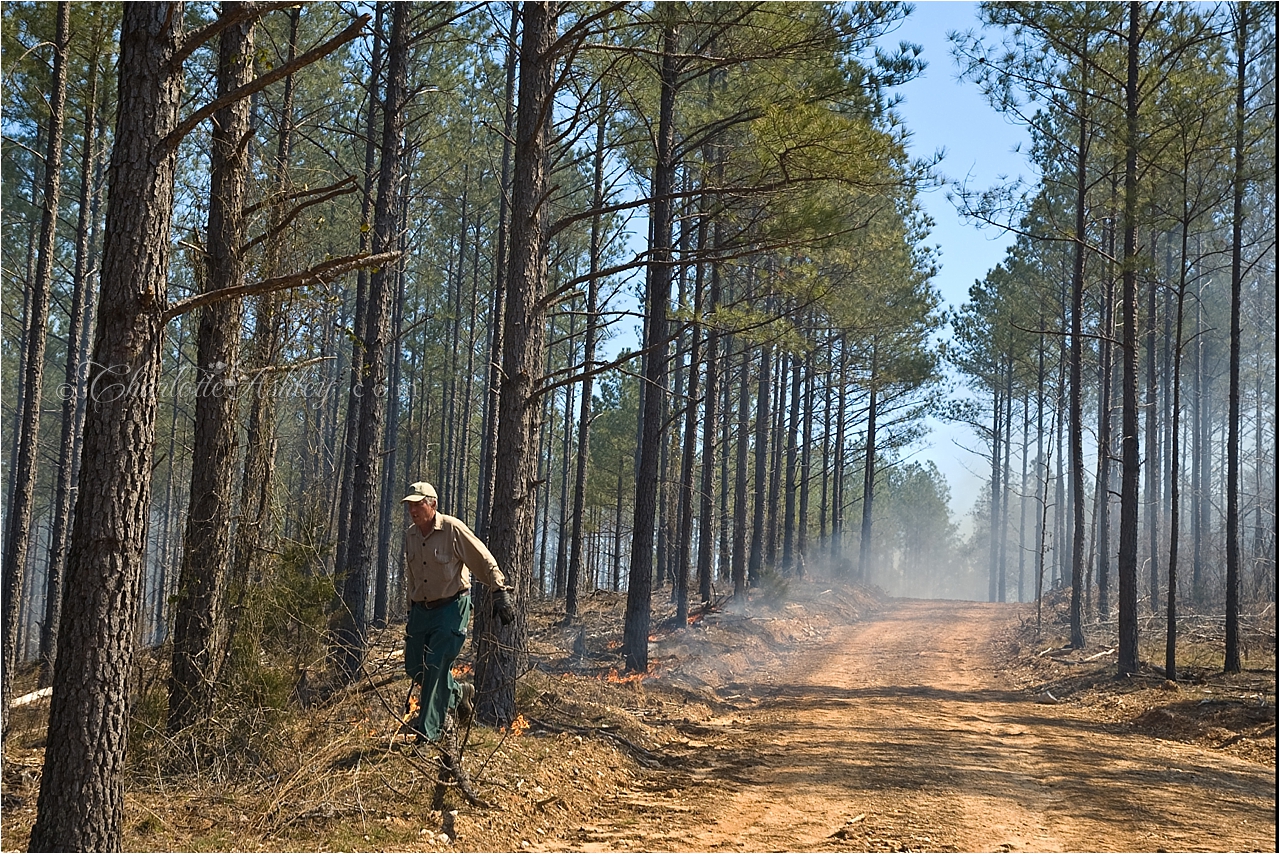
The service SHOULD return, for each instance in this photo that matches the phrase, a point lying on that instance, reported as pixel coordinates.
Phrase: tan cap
(419, 491)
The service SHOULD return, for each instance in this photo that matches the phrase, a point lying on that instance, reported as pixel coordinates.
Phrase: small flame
(518, 726)
(628, 679)
(414, 707)
(462, 670)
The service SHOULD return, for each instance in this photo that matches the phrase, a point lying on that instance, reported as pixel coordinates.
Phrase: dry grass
(337, 774)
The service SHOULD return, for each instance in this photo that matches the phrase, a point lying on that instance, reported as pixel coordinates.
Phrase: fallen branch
(27, 699)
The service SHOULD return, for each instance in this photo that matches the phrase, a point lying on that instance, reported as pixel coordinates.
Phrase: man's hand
(502, 606)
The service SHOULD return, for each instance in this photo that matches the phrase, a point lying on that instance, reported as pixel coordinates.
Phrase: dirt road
(899, 733)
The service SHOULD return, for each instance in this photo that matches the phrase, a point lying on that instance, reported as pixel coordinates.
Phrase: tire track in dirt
(899, 733)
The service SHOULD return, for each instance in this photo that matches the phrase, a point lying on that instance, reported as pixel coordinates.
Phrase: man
(440, 553)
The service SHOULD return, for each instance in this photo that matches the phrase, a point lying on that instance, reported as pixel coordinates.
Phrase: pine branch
(257, 84)
(319, 274)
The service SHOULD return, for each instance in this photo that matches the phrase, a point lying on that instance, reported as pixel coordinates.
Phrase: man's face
(422, 513)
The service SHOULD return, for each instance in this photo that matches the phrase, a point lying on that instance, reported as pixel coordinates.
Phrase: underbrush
(1235, 713)
(291, 761)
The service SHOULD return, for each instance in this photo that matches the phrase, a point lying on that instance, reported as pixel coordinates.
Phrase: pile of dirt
(1234, 713)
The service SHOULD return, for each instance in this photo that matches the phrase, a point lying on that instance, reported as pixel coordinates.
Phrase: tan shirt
(436, 565)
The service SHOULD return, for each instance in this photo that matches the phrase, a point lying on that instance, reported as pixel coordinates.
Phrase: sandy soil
(903, 733)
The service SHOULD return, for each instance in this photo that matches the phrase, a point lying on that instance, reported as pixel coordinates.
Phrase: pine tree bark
(497, 308)
(81, 802)
(200, 631)
(838, 466)
(1002, 585)
(265, 348)
(351, 636)
(1075, 414)
(711, 422)
(360, 347)
(1232, 653)
(500, 649)
(79, 329)
(635, 644)
(1175, 460)
(389, 555)
(18, 528)
(1127, 568)
(806, 460)
(755, 565)
(993, 546)
(1151, 437)
(588, 365)
(1105, 453)
(793, 430)
(739, 563)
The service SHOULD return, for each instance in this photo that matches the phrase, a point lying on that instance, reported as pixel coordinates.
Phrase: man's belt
(440, 603)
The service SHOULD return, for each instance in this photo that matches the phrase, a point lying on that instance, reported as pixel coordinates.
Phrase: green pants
(433, 639)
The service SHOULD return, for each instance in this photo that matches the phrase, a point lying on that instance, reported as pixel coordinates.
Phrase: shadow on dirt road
(901, 733)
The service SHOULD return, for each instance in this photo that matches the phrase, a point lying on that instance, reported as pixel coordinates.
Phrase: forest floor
(824, 718)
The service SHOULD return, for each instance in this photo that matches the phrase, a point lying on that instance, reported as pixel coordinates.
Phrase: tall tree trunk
(500, 649)
(688, 453)
(1042, 472)
(588, 365)
(497, 308)
(28, 289)
(17, 536)
(690, 445)
(353, 577)
(1075, 415)
(1151, 482)
(1105, 453)
(793, 429)
(1022, 494)
(1127, 570)
(869, 472)
(635, 644)
(738, 565)
(200, 630)
(561, 574)
(1232, 655)
(824, 499)
(1007, 431)
(1171, 606)
(257, 482)
(806, 459)
(755, 566)
(993, 546)
(711, 422)
(81, 803)
(389, 545)
(359, 346)
(79, 322)
(776, 452)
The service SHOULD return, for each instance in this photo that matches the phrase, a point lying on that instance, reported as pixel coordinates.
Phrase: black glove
(502, 606)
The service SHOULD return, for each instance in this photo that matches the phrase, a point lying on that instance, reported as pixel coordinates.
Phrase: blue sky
(946, 114)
